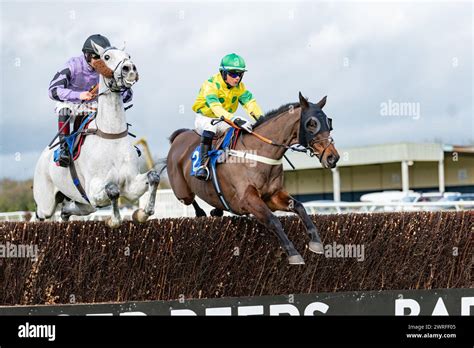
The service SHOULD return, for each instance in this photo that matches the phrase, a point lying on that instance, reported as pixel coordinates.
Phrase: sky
(393, 72)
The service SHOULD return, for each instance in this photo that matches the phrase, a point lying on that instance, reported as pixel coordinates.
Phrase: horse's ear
(322, 102)
(123, 47)
(97, 48)
(303, 101)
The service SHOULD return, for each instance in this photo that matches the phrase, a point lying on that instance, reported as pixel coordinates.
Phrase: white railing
(100, 215)
(15, 216)
(364, 207)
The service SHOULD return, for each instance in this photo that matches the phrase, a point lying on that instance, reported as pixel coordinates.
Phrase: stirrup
(64, 159)
(64, 162)
(207, 173)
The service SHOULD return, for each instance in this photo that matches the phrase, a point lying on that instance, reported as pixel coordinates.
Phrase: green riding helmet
(232, 62)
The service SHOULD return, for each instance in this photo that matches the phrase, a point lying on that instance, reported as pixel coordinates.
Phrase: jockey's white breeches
(203, 123)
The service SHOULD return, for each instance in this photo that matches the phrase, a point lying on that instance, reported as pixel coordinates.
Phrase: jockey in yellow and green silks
(220, 96)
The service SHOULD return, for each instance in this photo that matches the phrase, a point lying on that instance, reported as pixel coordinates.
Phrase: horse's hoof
(295, 260)
(112, 223)
(139, 216)
(217, 212)
(153, 178)
(200, 213)
(316, 247)
(65, 217)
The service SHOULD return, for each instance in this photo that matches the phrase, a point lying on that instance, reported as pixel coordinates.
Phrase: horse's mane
(273, 113)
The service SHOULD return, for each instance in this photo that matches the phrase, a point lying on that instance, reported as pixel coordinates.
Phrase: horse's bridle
(110, 88)
(321, 155)
(292, 148)
(121, 78)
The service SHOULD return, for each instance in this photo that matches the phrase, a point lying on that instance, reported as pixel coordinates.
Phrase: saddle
(220, 144)
(76, 138)
(81, 130)
(227, 140)
(225, 146)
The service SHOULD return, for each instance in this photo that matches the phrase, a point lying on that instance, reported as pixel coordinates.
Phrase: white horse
(108, 165)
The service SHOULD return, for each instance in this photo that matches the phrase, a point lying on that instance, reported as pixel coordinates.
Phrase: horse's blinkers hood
(312, 122)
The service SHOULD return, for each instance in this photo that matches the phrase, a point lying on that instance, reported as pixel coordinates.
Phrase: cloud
(360, 54)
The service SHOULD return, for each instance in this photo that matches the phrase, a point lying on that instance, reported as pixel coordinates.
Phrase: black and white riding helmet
(100, 40)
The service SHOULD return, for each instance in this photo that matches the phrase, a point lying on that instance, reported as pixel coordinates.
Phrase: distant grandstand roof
(458, 148)
(376, 154)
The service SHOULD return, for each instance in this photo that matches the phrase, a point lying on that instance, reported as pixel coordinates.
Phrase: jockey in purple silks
(71, 88)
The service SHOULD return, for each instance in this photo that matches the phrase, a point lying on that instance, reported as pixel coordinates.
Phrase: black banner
(419, 317)
(391, 303)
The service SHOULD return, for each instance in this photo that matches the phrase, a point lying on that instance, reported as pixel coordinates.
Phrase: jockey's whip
(94, 89)
(261, 137)
(59, 131)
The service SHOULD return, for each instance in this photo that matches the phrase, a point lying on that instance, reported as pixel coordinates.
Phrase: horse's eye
(107, 57)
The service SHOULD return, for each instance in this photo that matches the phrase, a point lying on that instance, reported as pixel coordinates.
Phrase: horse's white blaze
(102, 161)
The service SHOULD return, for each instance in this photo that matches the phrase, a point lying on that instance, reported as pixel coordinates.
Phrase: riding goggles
(235, 73)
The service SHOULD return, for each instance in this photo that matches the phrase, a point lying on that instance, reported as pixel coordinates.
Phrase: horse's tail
(176, 133)
(161, 165)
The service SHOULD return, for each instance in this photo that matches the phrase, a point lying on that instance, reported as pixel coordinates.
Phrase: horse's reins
(121, 89)
(271, 142)
(110, 88)
(94, 90)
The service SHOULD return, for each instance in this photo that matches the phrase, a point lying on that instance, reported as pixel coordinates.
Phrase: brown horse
(257, 188)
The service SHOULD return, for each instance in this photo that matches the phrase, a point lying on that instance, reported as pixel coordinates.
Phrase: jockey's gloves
(242, 123)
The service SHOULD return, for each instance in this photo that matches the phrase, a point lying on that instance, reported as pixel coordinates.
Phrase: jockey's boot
(64, 158)
(202, 173)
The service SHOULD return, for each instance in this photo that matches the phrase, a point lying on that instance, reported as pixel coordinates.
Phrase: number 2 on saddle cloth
(229, 142)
